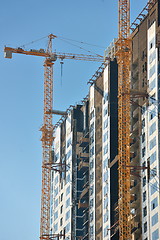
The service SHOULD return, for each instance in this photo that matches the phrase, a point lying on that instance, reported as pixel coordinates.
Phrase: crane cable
(67, 41)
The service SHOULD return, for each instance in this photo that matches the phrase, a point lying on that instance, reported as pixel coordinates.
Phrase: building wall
(149, 144)
(145, 124)
(92, 164)
(85, 196)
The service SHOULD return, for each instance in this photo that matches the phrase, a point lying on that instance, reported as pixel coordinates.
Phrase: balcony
(136, 126)
(85, 218)
(84, 155)
(136, 112)
(135, 144)
(135, 201)
(83, 142)
(83, 205)
(84, 192)
(83, 164)
(134, 186)
(135, 226)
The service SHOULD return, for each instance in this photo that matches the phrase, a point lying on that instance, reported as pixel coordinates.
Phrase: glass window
(152, 56)
(91, 216)
(105, 176)
(55, 215)
(153, 158)
(67, 228)
(144, 211)
(68, 178)
(152, 71)
(154, 188)
(56, 180)
(105, 137)
(67, 190)
(56, 203)
(67, 202)
(61, 197)
(61, 209)
(105, 189)
(92, 115)
(91, 203)
(106, 149)
(144, 165)
(152, 84)
(91, 190)
(55, 191)
(91, 164)
(106, 231)
(61, 221)
(67, 215)
(92, 177)
(153, 143)
(143, 123)
(56, 157)
(145, 227)
(91, 230)
(91, 139)
(106, 217)
(154, 203)
(152, 114)
(152, 42)
(153, 172)
(105, 97)
(92, 127)
(155, 235)
(152, 128)
(91, 151)
(143, 137)
(68, 142)
(106, 202)
(154, 219)
(144, 196)
(105, 111)
(56, 227)
(106, 123)
(69, 153)
(144, 181)
(105, 163)
(143, 151)
(152, 99)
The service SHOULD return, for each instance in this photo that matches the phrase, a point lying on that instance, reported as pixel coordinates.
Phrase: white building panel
(106, 157)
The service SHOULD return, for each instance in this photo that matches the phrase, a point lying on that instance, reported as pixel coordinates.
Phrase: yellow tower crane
(124, 58)
(47, 128)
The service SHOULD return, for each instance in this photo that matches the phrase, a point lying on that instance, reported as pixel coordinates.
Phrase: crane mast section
(47, 142)
(53, 56)
(124, 58)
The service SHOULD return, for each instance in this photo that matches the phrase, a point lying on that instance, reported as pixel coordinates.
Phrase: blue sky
(21, 92)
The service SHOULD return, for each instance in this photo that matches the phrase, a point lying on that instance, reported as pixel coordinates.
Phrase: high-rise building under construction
(84, 199)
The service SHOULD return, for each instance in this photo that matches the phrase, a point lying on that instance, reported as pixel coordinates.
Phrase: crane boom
(124, 58)
(53, 56)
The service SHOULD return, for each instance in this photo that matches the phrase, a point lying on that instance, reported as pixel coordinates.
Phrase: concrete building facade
(85, 182)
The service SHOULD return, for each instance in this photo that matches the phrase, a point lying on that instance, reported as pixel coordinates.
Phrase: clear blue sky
(21, 93)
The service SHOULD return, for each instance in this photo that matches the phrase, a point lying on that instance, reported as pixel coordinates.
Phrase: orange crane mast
(124, 58)
(47, 128)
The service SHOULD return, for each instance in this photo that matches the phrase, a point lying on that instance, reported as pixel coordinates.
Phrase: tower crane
(124, 58)
(47, 128)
